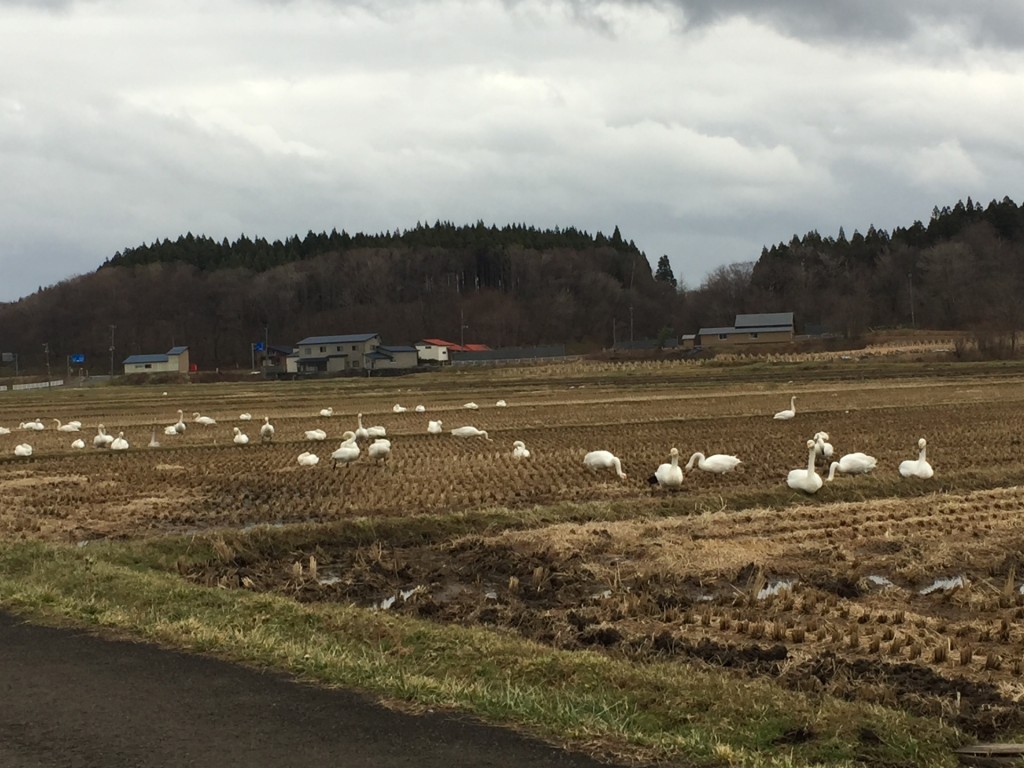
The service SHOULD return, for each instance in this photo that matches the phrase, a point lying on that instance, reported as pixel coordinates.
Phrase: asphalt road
(69, 698)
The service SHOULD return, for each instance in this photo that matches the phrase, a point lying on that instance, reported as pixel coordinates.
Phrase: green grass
(666, 711)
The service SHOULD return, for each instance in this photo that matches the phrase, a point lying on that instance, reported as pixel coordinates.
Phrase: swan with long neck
(239, 438)
(69, 427)
(669, 475)
(920, 468)
(520, 451)
(852, 464)
(267, 430)
(348, 451)
(719, 463)
(102, 439)
(470, 432)
(597, 460)
(822, 448)
(806, 480)
(790, 412)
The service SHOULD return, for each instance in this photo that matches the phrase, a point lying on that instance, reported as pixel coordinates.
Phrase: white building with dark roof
(351, 352)
(175, 360)
(760, 328)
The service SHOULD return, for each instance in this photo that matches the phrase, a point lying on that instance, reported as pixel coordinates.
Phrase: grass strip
(666, 711)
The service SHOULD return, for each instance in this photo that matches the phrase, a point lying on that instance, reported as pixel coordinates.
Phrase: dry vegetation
(902, 592)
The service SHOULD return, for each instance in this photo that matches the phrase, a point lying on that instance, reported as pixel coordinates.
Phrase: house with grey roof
(759, 328)
(350, 353)
(175, 360)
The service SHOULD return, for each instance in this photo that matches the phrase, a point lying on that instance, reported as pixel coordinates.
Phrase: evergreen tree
(664, 272)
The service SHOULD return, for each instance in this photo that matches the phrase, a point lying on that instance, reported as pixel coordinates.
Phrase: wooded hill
(516, 285)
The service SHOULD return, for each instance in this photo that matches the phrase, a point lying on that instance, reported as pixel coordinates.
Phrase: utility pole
(462, 328)
(112, 327)
(910, 280)
(46, 349)
(631, 321)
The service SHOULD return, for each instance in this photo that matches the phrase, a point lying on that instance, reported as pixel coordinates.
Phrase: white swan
(206, 421)
(5, 431)
(102, 439)
(822, 448)
(267, 430)
(365, 433)
(327, 411)
(75, 423)
(596, 460)
(469, 432)
(24, 449)
(501, 404)
(315, 434)
(806, 480)
(32, 426)
(119, 443)
(348, 451)
(471, 406)
(852, 464)
(920, 468)
(790, 412)
(79, 443)
(420, 409)
(240, 438)
(245, 417)
(434, 427)
(308, 459)
(153, 442)
(179, 427)
(399, 408)
(719, 463)
(668, 475)
(519, 450)
(69, 427)
(379, 449)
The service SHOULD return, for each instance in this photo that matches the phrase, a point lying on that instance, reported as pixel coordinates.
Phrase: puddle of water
(944, 585)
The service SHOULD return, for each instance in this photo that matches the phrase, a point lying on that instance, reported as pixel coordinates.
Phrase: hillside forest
(514, 286)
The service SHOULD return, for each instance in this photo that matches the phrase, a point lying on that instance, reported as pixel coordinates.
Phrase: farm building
(761, 328)
(387, 357)
(440, 351)
(175, 360)
(280, 359)
(352, 352)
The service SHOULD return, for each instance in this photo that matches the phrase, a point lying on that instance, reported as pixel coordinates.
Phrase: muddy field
(904, 592)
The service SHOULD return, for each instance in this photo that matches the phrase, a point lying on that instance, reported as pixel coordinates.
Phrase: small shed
(175, 360)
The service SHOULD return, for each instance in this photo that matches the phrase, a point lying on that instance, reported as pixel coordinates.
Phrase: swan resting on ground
(240, 437)
(24, 449)
(420, 409)
(434, 427)
(396, 408)
(806, 480)
(790, 412)
(920, 468)
(79, 443)
(308, 459)
(519, 450)
(822, 448)
(206, 421)
(469, 432)
(379, 449)
(315, 434)
(327, 411)
(596, 460)
(668, 475)
(852, 464)
(719, 463)
(119, 443)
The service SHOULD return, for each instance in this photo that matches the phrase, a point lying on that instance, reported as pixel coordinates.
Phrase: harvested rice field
(878, 588)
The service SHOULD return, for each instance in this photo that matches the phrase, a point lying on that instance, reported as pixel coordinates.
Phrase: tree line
(515, 286)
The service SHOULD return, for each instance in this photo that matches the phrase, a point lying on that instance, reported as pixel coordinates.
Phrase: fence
(33, 385)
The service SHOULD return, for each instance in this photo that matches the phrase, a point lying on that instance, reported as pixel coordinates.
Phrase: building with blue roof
(175, 360)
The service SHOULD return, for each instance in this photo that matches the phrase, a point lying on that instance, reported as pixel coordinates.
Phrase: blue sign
(77, 358)
(259, 346)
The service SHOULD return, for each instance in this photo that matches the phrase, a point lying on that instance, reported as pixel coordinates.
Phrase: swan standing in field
(240, 438)
(420, 409)
(206, 421)
(790, 412)
(267, 430)
(69, 427)
(153, 442)
(315, 434)
(920, 468)
(24, 449)
(328, 412)
(308, 459)
(469, 432)
(119, 443)
(379, 450)
(102, 439)
(399, 408)
(719, 463)
(501, 404)
(79, 443)
(668, 475)
(596, 460)
(806, 480)
(365, 433)
(434, 427)
(471, 406)
(852, 464)
(179, 427)
(348, 451)
(519, 450)
(822, 448)
(245, 417)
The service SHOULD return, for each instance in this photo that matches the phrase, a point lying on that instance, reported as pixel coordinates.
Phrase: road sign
(77, 359)
(259, 346)
(6, 357)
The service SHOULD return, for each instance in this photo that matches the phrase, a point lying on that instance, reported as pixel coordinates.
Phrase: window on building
(338, 348)
(753, 334)
(353, 347)
(309, 350)
(148, 365)
(723, 335)
(323, 349)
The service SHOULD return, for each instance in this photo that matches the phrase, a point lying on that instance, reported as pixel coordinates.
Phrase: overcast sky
(703, 129)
